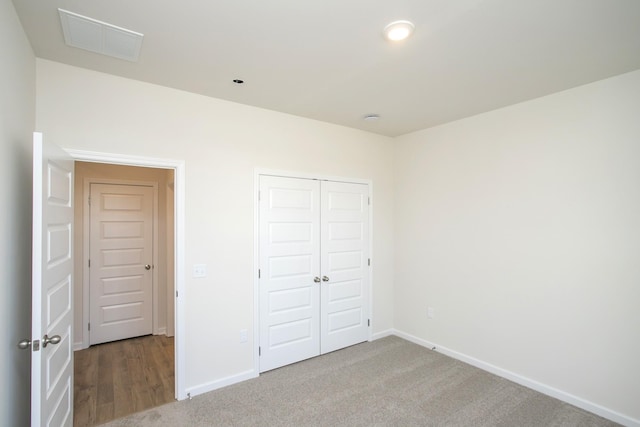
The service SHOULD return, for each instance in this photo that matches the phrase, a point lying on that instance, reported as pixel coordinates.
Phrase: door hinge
(369, 261)
(176, 294)
(89, 326)
(258, 273)
(89, 200)
(89, 263)
(369, 200)
(259, 351)
(368, 322)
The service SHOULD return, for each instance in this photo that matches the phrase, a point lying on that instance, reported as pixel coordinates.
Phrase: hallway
(122, 377)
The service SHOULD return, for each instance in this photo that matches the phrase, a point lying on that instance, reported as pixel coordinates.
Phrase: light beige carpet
(388, 382)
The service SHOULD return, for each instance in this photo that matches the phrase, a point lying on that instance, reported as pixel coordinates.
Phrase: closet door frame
(256, 244)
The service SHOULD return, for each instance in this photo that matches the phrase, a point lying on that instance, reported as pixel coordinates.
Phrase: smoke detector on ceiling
(100, 37)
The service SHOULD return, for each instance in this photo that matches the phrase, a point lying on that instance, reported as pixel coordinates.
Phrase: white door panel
(52, 284)
(310, 229)
(289, 260)
(345, 253)
(121, 246)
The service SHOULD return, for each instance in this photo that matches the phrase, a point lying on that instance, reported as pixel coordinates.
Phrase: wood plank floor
(122, 377)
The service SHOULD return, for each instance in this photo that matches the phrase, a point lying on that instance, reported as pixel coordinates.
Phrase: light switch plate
(200, 270)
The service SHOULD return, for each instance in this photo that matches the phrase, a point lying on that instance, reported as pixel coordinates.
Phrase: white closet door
(289, 256)
(344, 265)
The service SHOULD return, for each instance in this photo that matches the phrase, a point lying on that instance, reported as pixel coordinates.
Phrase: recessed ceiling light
(398, 30)
(238, 81)
(371, 117)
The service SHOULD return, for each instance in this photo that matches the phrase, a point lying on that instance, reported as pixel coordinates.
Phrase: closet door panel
(289, 256)
(344, 264)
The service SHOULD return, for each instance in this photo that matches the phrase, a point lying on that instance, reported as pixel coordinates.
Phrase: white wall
(17, 118)
(222, 143)
(521, 227)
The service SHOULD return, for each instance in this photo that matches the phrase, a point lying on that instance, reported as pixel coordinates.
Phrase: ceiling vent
(100, 37)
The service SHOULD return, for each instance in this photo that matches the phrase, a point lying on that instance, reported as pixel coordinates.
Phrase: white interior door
(344, 265)
(121, 254)
(289, 256)
(52, 284)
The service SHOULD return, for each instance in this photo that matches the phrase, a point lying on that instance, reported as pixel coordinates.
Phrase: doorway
(123, 376)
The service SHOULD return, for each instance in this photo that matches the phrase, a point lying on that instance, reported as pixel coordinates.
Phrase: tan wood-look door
(121, 254)
(52, 285)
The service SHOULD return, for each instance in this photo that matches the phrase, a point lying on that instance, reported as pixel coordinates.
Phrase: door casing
(256, 245)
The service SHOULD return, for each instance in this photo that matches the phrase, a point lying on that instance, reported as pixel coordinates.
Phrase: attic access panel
(100, 37)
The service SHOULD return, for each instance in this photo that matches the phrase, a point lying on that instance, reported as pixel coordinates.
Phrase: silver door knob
(325, 279)
(147, 267)
(53, 340)
(24, 344)
(316, 279)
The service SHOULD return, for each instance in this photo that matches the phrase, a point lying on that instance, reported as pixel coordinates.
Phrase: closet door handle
(316, 279)
(325, 279)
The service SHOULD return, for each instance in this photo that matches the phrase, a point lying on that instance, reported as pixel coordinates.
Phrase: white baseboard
(527, 382)
(161, 331)
(382, 334)
(223, 382)
(78, 345)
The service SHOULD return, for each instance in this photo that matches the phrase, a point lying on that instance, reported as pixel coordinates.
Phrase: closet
(313, 268)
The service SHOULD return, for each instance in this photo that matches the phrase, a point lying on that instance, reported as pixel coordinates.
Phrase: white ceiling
(327, 60)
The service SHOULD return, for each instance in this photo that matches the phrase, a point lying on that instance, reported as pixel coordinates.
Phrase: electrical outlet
(431, 313)
(200, 270)
(243, 335)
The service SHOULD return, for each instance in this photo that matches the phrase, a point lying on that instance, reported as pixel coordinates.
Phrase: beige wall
(162, 177)
(521, 228)
(17, 118)
(222, 144)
